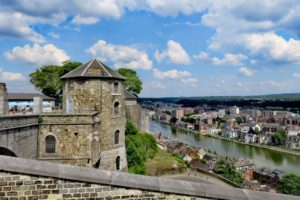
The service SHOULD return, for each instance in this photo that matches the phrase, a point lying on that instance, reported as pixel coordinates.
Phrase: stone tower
(95, 88)
(3, 100)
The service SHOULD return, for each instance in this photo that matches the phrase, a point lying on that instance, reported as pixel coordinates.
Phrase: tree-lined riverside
(261, 157)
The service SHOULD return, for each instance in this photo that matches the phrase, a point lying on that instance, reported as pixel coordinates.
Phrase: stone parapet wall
(14, 122)
(19, 135)
(29, 179)
(29, 187)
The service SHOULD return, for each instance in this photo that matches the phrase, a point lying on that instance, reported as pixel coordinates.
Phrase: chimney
(3, 100)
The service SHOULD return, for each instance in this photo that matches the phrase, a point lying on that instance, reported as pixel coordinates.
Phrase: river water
(261, 157)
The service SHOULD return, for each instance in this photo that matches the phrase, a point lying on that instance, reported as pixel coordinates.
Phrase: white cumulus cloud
(273, 47)
(245, 71)
(121, 55)
(202, 56)
(174, 54)
(229, 59)
(240, 25)
(17, 25)
(84, 20)
(37, 55)
(173, 74)
(17, 17)
(10, 76)
(190, 81)
(173, 8)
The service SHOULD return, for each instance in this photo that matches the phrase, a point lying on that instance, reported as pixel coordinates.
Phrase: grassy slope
(163, 163)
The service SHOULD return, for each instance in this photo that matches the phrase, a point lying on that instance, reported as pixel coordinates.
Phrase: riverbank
(261, 157)
(278, 149)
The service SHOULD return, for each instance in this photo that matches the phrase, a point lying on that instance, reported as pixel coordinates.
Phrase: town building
(24, 102)
(234, 110)
(178, 113)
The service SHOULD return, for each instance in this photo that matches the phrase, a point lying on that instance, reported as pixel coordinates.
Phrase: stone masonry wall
(3, 99)
(74, 134)
(25, 179)
(14, 186)
(19, 134)
(110, 123)
(97, 95)
(138, 116)
(11, 122)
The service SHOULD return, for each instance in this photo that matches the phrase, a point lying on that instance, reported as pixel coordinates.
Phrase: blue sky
(178, 48)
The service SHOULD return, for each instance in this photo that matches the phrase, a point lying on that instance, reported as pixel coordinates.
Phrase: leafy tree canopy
(139, 148)
(289, 184)
(279, 138)
(47, 78)
(130, 128)
(188, 119)
(133, 83)
(238, 120)
(227, 170)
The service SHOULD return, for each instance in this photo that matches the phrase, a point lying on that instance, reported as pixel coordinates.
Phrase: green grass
(163, 163)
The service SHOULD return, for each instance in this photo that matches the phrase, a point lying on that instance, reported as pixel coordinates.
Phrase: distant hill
(282, 97)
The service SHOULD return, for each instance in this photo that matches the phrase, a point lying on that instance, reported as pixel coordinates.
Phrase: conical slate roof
(93, 69)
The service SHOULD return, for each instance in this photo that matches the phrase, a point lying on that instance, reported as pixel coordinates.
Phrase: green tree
(238, 120)
(139, 147)
(228, 171)
(133, 83)
(289, 184)
(130, 128)
(47, 78)
(279, 137)
(167, 112)
(188, 119)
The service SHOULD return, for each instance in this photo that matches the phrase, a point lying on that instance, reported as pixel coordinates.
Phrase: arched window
(50, 144)
(118, 163)
(116, 87)
(116, 108)
(117, 134)
(69, 104)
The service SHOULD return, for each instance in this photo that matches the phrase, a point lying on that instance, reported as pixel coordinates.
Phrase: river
(261, 157)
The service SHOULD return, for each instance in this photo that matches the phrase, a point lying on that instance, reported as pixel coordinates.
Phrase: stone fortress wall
(74, 135)
(138, 116)
(19, 136)
(31, 180)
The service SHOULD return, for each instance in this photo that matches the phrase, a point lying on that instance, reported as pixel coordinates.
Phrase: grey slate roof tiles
(93, 69)
(26, 96)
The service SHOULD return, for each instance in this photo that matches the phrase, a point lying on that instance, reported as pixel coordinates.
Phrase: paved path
(194, 176)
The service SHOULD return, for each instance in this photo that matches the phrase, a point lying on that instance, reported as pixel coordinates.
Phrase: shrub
(139, 148)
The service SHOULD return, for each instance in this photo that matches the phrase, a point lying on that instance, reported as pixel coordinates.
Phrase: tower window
(116, 108)
(118, 163)
(116, 88)
(117, 135)
(50, 144)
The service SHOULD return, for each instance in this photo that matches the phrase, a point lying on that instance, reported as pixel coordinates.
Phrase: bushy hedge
(139, 147)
